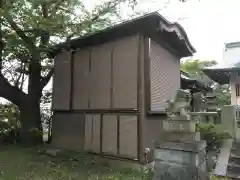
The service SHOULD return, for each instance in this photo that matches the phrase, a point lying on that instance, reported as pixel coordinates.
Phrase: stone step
(233, 167)
(234, 158)
(233, 176)
(235, 151)
(50, 151)
(236, 147)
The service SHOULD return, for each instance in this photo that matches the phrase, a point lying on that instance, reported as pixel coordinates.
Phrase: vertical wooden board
(125, 67)
(109, 141)
(128, 146)
(165, 76)
(81, 80)
(62, 81)
(88, 132)
(96, 134)
(68, 131)
(100, 77)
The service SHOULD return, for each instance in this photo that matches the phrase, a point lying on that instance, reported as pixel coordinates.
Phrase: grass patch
(218, 178)
(18, 163)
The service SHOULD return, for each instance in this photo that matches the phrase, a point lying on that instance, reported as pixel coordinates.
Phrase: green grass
(20, 164)
(218, 178)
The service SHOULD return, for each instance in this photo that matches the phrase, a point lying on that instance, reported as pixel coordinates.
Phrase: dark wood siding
(125, 73)
(68, 131)
(62, 81)
(164, 76)
(100, 77)
(109, 137)
(105, 77)
(81, 79)
(92, 133)
(128, 132)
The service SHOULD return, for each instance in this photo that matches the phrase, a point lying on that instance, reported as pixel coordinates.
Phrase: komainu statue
(179, 104)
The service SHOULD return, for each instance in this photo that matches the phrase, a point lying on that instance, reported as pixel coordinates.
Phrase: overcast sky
(208, 23)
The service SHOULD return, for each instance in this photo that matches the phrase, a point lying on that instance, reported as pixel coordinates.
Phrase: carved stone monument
(179, 153)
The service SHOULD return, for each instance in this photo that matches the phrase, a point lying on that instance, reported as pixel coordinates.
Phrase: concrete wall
(230, 55)
(235, 79)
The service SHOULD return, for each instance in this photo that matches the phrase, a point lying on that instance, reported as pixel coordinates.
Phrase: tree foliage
(194, 68)
(29, 29)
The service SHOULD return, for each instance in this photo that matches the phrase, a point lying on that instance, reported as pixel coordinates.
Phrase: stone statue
(179, 104)
(179, 154)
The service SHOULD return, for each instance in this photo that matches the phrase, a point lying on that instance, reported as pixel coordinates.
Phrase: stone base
(179, 136)
(173, 171)
(179, 117)
(180, 161)
(179, 126)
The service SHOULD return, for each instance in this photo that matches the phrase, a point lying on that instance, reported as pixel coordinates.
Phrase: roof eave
(150, 19)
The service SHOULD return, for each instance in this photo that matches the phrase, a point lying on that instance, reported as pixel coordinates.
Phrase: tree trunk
(31, 127)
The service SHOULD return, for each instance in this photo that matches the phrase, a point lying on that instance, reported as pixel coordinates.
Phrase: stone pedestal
(180, 161)
(179, 153)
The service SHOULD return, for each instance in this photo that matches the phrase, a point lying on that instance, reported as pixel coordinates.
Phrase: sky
(208, 23)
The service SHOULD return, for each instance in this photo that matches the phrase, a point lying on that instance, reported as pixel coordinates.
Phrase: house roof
(189, 83)
(152, 25)
(222, 72)
(232, 45)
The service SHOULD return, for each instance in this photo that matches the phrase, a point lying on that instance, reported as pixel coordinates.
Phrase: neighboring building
(211, 102)
(198, 91)
(228, 71)
(109, 88)
(187, 82)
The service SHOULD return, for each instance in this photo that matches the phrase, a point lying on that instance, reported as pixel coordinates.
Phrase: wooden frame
(71, 80)
(106, 96)
(116, 112)
(147, 73)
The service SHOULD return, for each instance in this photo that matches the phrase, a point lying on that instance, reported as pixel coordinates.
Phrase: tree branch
(19, 32)
(19, 77)
(1, 39)
(56, 4)
(10, 92)
(45, 36)
(95, 18)
(46, 79)
(22, 82)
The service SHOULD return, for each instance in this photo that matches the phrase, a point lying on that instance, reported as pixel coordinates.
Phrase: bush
(4, 131)
(212, 135)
